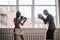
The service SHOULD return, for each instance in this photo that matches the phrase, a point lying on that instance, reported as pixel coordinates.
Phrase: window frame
(33, 11)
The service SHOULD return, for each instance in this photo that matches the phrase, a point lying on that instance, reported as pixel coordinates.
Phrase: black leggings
(50, 34)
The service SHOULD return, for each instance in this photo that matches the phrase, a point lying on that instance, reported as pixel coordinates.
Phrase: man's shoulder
(50, 15)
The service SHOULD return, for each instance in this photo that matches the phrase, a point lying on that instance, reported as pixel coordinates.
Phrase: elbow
(45, 23)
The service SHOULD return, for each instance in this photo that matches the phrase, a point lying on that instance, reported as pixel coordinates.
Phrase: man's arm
(45, 20)
(41, 17)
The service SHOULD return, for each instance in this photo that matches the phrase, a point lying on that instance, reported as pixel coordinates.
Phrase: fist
(22, 17)
(40, 16)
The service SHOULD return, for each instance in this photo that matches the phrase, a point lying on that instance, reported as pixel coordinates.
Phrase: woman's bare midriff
(17, 25)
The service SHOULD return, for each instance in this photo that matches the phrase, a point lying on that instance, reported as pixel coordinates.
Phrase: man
(18, 23)
(50, 21)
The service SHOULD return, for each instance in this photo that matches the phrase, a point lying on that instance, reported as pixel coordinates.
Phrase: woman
(18, 23)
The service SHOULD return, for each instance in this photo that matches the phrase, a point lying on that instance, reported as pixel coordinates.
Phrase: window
(29, 9)
(8, 2)
(44, 2)
(26, 12)
(39, 10)
(7, 13)
(25, 2)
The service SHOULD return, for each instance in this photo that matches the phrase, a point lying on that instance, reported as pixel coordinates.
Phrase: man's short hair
(45, 10)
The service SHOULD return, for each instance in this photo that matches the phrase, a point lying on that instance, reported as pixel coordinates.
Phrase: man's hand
(40, 16)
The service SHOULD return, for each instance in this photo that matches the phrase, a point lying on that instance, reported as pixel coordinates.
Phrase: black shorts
(50, 34)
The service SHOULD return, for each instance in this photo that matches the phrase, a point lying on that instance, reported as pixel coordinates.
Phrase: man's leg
(21, 36)
(50, 34)
(49, 39)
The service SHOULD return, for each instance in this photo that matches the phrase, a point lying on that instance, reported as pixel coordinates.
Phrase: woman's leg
(21, 36)
(15, 37)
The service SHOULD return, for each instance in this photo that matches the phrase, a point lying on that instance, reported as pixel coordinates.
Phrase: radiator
(6, 37)
(57, 37)
(28, 37)
(36, 37)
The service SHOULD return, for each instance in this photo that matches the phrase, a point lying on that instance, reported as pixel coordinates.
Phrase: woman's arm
(23, 20)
